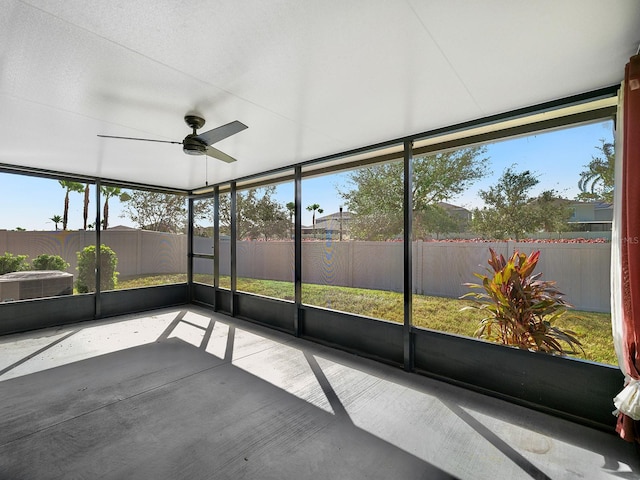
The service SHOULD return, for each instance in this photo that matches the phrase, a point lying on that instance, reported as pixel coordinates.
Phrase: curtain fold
(625, 282)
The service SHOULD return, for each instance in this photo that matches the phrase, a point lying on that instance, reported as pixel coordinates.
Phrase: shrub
(49, 262)
(12, 263)
(520, 308)
(87, 269)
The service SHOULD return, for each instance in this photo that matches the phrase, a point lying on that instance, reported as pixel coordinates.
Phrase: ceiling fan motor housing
(192, 145)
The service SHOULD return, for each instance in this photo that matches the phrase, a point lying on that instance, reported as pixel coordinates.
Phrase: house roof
(310, 78)
(451, 206)
(334, 216)
(596, 204)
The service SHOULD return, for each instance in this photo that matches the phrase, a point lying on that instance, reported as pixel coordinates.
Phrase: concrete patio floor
(186, 393)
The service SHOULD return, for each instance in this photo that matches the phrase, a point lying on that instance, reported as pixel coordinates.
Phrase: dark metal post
(216, 245)
(190, 207)
(408, 265)
(340, 222)
(297, 246)
(233, 240)
(98, 304)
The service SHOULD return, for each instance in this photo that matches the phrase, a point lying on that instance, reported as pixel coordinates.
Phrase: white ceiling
(309, 77)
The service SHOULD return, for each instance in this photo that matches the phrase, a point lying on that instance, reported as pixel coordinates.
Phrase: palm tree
(85, 211)
(596, 182)
(291, 207)
(56, 219)
(107, 193)
(314, 208)
(69, 186)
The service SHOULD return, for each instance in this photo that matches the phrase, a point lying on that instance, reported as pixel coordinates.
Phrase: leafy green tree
(13, 263)
(56, 219)
(245, 213)
(202, 218)
(375, 200)
(436, 219)
(596, 181)
(510, 211)
(269, 217)
(291, 209)
(107, 193)
(162, 212)
(553, 210)
(225, 213)
(87, 260)
(258, 214)
(69, 187)
(49, 262)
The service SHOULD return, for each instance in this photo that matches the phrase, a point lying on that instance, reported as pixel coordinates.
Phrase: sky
(556, 157)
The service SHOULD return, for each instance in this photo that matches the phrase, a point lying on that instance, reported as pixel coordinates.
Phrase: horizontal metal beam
(599, 94)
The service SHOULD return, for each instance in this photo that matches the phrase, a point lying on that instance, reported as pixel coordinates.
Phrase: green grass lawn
(436, 313)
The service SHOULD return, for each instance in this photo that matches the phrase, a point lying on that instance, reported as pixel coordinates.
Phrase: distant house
(122, 227)
(337, 225)
(458, 212)
(334, 224)
(591, 216)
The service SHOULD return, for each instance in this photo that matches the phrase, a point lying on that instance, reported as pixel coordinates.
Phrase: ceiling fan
(199, 143)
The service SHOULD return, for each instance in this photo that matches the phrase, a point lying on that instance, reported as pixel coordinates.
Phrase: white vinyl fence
(581, 270)
(139, 252)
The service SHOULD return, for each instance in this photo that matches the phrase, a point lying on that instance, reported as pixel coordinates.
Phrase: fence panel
(580, 270)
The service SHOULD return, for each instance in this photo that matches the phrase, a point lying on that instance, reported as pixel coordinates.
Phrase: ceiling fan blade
(220, 133)
(140, 139)
(215, 153)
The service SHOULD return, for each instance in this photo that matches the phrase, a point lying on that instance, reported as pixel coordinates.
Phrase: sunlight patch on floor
(217, 345)
(286, 368)
(85, 343)
(188, 333)
(549, 450)
(16, 348)
(197, 319)
(413, 421)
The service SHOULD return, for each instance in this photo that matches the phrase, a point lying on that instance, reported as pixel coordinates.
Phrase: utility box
(35, 284)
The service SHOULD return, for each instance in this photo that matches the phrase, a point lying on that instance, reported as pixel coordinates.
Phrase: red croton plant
(521, 308)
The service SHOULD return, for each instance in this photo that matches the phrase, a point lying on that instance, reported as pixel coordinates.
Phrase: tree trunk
(105, 214)
(65, 216)
(86, 206)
